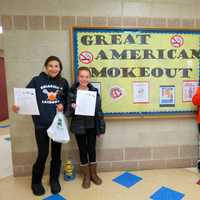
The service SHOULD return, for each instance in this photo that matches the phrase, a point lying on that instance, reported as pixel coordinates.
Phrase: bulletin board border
(130, 115)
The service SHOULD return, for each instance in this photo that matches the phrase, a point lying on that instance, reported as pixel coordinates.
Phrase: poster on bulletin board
(140, 72)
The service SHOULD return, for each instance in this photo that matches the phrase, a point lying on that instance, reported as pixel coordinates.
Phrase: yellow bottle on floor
(69, 171)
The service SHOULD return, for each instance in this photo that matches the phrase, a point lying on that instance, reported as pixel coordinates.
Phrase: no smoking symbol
(86, 57)
(177, 41)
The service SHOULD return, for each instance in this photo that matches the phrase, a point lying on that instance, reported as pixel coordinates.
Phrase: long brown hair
(60, 81)
(54, 58)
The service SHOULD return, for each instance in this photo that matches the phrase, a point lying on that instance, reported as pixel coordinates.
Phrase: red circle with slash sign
(177, 41)
(86, 57)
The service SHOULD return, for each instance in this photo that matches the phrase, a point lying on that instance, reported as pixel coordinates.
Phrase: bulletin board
(140, 72)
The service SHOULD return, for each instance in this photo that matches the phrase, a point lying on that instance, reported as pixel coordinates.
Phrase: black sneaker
(38, 189)
(55, 187)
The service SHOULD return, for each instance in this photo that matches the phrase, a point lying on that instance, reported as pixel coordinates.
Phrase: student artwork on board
(140, 92)
(189, 88)
(167, 96)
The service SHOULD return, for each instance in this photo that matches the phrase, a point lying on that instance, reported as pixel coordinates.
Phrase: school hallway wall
(32, 33)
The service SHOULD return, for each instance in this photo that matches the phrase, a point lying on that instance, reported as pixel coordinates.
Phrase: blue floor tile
(165, 193)
(127, 179)
(55, 197)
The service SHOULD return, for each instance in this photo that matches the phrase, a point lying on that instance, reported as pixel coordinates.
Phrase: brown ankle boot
(86, 176)
(93, 174)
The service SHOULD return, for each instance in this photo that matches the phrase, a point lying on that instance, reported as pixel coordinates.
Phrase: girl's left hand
(59, 108)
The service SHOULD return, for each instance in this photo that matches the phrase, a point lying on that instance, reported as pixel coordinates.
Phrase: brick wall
(34, 32)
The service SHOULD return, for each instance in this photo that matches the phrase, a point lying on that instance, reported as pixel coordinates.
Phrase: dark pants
(42, 141)
(87, 146)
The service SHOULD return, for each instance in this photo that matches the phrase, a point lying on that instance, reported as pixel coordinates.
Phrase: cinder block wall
(37, 29)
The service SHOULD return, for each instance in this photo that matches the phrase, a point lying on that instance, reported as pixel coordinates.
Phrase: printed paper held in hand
(25, 98)
(85, 103)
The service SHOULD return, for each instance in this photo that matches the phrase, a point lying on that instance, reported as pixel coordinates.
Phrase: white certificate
(25, 99)
(85, 103)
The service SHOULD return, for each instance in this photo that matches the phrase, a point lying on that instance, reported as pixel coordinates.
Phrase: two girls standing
(52, 94)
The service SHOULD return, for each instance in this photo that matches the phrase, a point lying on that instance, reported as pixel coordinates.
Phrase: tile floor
(181, 180)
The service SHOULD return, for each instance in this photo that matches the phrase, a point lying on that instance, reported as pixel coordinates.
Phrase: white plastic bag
(58, 130)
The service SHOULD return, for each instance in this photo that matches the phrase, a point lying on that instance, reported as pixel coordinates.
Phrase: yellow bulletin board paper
(140, 72)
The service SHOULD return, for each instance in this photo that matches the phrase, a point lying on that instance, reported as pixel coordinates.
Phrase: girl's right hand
(15, 108)
(73, 105)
